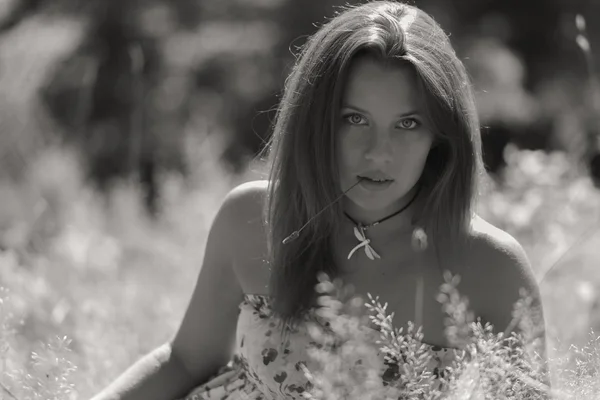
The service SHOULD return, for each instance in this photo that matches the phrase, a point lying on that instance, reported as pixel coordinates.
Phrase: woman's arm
(205, 339)
(158, 375)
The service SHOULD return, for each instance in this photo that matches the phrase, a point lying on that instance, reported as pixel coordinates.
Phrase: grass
(99, 271)
(85, 278)
(101, 274)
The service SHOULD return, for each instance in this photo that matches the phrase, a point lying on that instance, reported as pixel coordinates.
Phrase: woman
(376, 145)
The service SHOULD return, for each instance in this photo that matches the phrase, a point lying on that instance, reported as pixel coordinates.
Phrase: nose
(379, 149)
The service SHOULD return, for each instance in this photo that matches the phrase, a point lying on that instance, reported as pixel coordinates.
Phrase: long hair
(303, 177)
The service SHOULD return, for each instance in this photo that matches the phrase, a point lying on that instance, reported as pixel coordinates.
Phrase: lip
(374, 186)
(375, 176)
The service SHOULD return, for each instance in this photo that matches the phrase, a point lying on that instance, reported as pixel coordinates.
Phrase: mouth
(374, 180)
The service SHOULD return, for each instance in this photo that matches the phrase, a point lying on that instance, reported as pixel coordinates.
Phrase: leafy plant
(44, 374)
(487, 365)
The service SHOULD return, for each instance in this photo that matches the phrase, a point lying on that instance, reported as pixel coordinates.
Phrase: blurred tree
(17, 11)
(513, 50)
(297, 19)
(151, 70)
(103, 94)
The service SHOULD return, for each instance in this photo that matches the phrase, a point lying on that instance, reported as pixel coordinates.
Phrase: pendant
(359, 232)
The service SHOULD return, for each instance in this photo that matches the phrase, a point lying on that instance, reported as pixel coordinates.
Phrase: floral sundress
(263, 369)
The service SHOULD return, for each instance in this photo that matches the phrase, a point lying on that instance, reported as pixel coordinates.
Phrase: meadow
(90, 283)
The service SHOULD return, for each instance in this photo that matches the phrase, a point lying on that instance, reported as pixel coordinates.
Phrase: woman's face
(383, 134)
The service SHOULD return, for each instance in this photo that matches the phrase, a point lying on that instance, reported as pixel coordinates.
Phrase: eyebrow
(413, 112)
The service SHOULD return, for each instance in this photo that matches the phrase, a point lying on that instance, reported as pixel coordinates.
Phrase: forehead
(370, 81)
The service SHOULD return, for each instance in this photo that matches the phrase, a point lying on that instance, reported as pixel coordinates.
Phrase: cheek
(413, 147)
(423, 149)
(410, 157)
(348, 152)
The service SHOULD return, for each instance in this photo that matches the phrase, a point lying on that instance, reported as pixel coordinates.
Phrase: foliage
(104, 273)
(99, 271)
(487, 365)
(45, 374)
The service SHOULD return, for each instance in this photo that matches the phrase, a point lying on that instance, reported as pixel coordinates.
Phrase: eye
(355, 119)
(409, 123)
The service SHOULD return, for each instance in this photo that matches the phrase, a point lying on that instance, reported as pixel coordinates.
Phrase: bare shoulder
(492, 245)
(243, 205)
(239, 212)
(246, 198)
(250, 255)
(496, 271)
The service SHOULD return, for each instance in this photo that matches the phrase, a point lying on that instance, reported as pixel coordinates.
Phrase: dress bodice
(274, 363)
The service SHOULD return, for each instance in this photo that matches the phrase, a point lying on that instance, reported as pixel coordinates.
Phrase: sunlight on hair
(407, 19)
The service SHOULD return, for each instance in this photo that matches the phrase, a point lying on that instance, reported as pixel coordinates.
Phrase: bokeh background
(123, 123)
